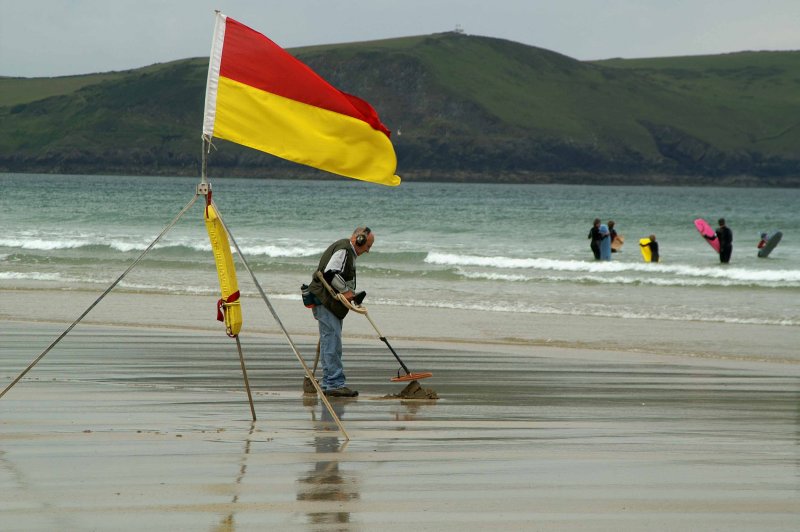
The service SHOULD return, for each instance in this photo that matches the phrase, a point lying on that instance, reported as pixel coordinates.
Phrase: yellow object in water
(229, 308)
(644, 246)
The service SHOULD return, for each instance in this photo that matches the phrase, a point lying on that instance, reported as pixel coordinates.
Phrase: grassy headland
(460, 107)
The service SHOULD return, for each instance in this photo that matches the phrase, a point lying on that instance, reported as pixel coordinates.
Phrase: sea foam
(731, 275)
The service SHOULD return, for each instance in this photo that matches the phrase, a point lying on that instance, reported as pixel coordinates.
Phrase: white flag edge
(212, 83)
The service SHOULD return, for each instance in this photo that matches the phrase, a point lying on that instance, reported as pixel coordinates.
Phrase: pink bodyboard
(708, 233)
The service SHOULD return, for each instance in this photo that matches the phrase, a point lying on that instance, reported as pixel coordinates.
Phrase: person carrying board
(653, 246)
(725, 238)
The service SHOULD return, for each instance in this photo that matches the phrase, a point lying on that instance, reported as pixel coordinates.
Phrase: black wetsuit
(725, 237)
(594, 234)
(653, 251)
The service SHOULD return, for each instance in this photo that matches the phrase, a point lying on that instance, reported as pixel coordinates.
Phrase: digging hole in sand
(414, 390)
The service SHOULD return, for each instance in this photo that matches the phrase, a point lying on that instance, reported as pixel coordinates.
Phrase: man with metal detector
(335, 278)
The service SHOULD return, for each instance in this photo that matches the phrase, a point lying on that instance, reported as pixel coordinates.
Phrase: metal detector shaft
(361, 310)
(385, 341)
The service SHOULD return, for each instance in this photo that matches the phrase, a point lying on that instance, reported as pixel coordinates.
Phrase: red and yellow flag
(259, 96)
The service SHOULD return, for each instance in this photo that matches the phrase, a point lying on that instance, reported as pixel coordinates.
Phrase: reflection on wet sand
(228, 524)
(326, 482)
(548, 438)
(407, 411)
(17, 480)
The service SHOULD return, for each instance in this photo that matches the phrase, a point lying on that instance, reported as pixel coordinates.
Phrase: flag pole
(204, 189)
(204, 159)
(246, 380)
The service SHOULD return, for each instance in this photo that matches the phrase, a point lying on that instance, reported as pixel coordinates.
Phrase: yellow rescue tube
(229, 308)
(644, 247)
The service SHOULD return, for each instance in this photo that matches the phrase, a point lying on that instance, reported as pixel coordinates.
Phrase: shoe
(344, 391)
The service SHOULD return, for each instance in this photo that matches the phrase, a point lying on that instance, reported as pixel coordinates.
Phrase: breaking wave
(643, 273)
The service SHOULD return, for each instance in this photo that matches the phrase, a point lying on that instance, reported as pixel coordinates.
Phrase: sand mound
(415, 391)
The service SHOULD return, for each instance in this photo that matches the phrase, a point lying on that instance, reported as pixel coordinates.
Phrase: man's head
(362, 239)
(721, 222)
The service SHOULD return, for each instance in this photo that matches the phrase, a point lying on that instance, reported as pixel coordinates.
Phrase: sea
(496, 248)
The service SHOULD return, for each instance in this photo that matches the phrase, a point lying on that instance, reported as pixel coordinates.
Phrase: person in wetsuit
(725, 237)
(594, 234)
(653, 245)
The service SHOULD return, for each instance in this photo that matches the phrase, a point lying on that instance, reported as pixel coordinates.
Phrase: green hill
(461, 107)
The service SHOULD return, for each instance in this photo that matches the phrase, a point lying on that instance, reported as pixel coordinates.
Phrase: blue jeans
(330, 348)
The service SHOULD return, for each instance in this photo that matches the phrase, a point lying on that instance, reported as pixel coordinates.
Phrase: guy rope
(228, 307)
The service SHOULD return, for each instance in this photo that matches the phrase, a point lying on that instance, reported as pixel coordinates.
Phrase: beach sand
(138, 419)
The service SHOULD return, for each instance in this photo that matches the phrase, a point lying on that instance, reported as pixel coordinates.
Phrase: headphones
(361, 239)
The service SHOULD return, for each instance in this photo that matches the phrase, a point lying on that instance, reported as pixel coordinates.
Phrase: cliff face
(460, 107)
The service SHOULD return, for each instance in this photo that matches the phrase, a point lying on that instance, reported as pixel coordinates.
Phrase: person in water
(763, 241)
(653, 245)
(605, 243)
(594, 234)
(725, 237)
(613, 233)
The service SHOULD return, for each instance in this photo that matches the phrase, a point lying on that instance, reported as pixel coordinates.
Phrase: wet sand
(138, 419)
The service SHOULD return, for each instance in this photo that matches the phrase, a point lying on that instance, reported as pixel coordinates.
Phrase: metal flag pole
(204, 188)
(246, 380)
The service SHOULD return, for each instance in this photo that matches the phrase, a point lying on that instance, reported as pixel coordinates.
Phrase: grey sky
(62, 37)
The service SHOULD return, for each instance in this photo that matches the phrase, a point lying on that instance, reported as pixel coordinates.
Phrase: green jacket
(348, 273)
